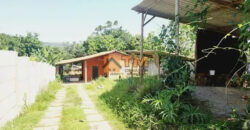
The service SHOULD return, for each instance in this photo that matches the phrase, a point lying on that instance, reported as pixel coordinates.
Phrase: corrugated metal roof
(152, 52)
(221, 13)
(87, 57)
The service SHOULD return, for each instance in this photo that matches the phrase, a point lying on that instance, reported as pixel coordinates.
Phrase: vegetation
(94, 92)
(31, 115)
(72, 114)
(161, 108)
(105, 37)
(154, 107)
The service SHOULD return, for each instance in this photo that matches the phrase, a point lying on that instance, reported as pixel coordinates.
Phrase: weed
(72, 114)
(31, 115)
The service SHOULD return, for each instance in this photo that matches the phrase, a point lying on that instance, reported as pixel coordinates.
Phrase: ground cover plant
(31, 115)
(95, 90)
(154, 106)
(72, 114)
(160, 108)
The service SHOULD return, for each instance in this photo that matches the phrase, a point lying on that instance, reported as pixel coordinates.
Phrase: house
(218, 67)
(112, 64)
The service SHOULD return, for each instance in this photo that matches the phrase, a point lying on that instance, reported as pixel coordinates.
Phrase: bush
(176, 71)
(161, 108)
(151, 85)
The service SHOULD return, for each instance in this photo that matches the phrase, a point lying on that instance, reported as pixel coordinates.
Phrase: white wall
(20, 82)
(152, 68)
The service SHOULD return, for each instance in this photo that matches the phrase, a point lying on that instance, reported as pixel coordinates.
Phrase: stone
(103, 125)
(95, 117)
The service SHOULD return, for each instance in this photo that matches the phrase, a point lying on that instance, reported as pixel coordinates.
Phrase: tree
(29, 44)
(8, 42)
(187, 39)
(109, 37)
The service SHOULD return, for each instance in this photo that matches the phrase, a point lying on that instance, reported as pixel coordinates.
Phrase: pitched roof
(87, 57)
(152, 52)
(222, 15)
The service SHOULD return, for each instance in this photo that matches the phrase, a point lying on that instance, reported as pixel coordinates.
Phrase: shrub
(151, 85)
(161, 108)
(176, 71)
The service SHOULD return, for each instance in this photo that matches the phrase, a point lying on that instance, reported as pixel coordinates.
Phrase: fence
(20, 82)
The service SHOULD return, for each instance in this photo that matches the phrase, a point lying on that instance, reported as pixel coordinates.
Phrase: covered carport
(221, 18)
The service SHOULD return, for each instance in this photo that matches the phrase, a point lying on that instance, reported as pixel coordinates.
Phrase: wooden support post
(132, 67)
(141, 47)
(57, 69)
(177, 25)
(85, 71)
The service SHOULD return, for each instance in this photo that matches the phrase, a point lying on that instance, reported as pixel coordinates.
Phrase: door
(94, 72)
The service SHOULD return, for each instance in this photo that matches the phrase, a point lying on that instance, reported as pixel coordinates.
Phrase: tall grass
(31, 115)
(72, 114)
(95, 91)
(151, 106)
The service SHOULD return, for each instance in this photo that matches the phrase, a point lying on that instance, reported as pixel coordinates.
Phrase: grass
(94, 92)
(72, 114)
(31, 115)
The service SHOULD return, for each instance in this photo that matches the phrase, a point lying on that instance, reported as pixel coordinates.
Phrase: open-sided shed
(222, 17)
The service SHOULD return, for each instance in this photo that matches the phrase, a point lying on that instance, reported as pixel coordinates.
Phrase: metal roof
(152, 52)
(87, 57)
(221, 13)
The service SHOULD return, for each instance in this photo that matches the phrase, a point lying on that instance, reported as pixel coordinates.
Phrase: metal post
(141, 46)
(177, 25)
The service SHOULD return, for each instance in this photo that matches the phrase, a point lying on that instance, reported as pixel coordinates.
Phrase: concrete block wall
(20, 82)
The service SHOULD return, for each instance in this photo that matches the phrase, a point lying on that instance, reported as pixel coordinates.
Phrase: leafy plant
(193, 114)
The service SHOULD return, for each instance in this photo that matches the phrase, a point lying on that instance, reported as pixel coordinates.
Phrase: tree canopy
(109, 36)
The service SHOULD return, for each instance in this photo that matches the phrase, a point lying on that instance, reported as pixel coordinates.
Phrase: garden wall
(20, 82)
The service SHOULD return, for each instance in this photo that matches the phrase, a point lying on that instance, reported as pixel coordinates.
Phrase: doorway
(94, 72)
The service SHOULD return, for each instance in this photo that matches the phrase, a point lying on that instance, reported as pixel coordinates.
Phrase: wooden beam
(85, 71)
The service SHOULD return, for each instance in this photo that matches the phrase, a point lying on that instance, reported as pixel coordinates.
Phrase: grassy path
(94, 93)
(95, 120)
(72, 114)
(52, 115)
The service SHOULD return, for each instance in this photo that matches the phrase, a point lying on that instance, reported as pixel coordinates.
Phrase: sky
(69, 20)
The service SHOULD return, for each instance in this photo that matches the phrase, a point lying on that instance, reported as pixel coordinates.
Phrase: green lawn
(72, 115)
(94, 92)
(31, 115)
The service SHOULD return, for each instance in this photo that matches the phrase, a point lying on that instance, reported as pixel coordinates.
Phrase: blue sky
(69, 20)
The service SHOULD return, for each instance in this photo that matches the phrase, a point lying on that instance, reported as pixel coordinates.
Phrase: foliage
(170, 64)
(172, 75)
(245, 30)
(160, 109)
(198, 19)
(32, 114)
(106, 37)
(29, 44)
(151, 85)
(24, 45)
(112, 36)
(107, 112)
(187, 39)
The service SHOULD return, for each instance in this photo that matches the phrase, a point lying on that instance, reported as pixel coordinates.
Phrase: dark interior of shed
(224, 62)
